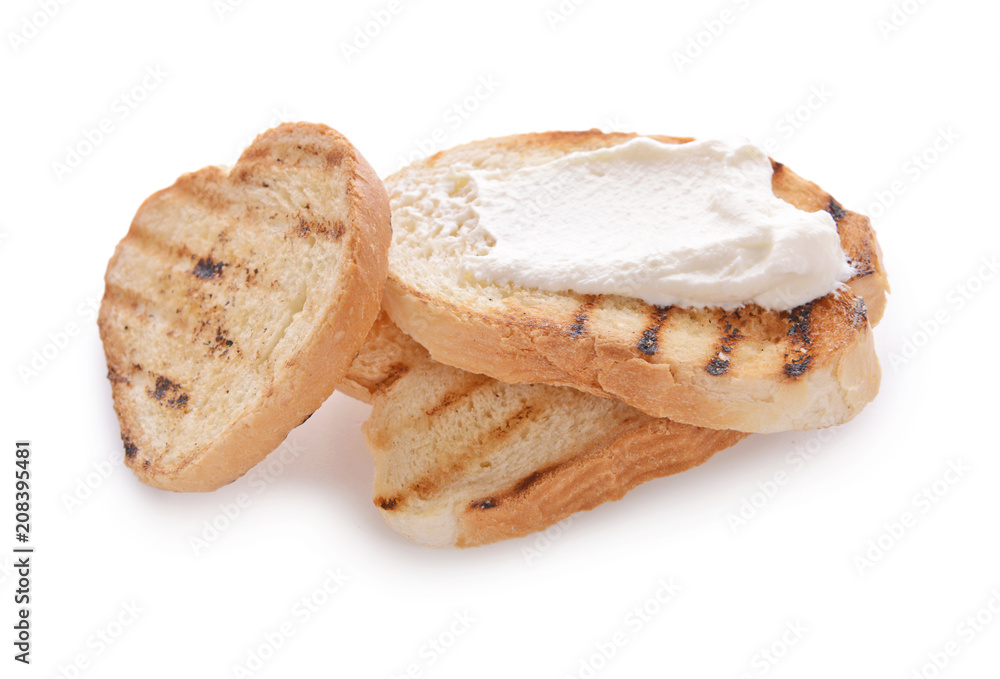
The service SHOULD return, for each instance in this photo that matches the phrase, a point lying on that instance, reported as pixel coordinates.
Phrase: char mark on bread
(393, 373)
(177, 397)
(387, 504)
(312, 227)
(579, 326)
(729, 336)
(504, 430)
(130, 448)
(836, 211)
(798, 360)
(207, 269)
(860, 313)
(452, 397)
(649, 342)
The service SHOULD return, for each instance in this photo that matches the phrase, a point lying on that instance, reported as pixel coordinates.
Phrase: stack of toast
(240, 298)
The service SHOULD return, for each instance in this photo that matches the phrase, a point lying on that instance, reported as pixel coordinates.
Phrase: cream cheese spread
(693, 225)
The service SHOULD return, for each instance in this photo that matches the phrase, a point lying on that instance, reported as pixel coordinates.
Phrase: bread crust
(756, 371)
(292, 377)
(651, 449)
(464, 460)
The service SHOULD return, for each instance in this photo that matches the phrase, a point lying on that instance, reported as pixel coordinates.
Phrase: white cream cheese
(694, 225)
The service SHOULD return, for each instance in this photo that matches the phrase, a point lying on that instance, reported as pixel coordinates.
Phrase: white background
(540, 606)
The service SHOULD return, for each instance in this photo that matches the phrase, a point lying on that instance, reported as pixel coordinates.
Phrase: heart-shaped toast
(238, 300)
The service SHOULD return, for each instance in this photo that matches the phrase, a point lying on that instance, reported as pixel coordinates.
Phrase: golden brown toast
(751, 369)
(462, 459)
(236, 302)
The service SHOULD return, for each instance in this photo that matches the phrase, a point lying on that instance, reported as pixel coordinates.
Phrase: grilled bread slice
(462, 459)
(751, 369)
(237, 301)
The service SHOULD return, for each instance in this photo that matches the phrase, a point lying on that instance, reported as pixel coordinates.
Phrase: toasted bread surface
(462, 459)
(237, 301)
(751, 369)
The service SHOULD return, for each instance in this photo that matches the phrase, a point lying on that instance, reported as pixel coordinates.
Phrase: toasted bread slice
(751, 369)
(462, 459)
(237, 301)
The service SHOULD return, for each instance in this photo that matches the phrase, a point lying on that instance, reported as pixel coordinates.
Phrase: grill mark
(798, 369)
(798, 360)
(800, 318)
(307, 227)
(153, 245)
(200, 316)
(579, 326)
(513, 422)
(836, 210)
(428, 484)
(387, 504)
(132, 303)
(717, 366)
(221, 343)
(130, 448)
(207, 187)
(393, 373)
(117, 378)
(450, 398)
(860, 313)
(165, 387)
(650, 340)
(729, 336)
(527, 482)
(207, 268)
